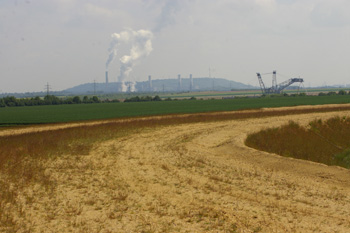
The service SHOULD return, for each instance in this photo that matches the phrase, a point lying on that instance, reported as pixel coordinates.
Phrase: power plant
(276, 88)
(147, 86)
(166, 84)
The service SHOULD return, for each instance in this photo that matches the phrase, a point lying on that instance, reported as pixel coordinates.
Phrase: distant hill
(162, 85)
(158, 85)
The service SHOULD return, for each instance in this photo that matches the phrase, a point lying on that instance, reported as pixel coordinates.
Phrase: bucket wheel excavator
(276, 88)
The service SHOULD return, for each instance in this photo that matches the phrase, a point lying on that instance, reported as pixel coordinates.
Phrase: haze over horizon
(67, 42)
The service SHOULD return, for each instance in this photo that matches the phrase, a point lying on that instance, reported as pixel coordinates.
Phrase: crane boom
(287, 83)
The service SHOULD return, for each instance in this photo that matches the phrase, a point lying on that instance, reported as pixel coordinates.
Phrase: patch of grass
(325, 142)
(343, 159)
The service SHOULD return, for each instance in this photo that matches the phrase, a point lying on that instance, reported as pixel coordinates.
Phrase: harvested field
(196, 177)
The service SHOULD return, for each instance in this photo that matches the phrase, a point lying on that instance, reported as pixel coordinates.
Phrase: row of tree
(11, 101)
(341, 92)
(143, 99)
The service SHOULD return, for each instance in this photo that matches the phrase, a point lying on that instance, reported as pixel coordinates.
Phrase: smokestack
(149, 83)
(106, 77)
(191, 82)
(179, 82)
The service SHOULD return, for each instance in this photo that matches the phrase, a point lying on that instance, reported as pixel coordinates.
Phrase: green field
(78, 112)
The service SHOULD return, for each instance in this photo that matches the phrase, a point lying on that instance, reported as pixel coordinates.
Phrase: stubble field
(194, 177)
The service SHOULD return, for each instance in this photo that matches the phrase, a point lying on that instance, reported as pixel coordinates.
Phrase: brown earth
(197, 177)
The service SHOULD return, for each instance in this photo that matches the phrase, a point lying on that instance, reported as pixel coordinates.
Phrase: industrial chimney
(150, 83)
(191, 82)
(106, 77)
(179, 87)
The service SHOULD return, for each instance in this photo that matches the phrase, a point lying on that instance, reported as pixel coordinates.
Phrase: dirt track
(192, 178)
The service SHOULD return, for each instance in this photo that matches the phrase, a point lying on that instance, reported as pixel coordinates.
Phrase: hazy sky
(65, 42)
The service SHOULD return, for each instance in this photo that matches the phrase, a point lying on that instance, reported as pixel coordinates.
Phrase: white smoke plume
(123, 37)
(112, 50)
(141, 46)
(123, 87)
(132, 86)
(167, 14)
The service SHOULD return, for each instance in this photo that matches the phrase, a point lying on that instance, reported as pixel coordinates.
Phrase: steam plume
(123, 87)
(167, 14)
(132, 86)
(116, 40)
(141, 46)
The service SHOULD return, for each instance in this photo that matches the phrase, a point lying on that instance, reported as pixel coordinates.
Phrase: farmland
(177, 173)
(80, 112)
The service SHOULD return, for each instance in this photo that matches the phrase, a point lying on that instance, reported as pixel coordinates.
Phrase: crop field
(79, 112)
(172, 173)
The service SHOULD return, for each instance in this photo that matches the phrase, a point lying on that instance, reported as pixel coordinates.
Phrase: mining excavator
(276, 88)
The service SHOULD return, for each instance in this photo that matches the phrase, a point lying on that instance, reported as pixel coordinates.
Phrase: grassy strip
(79, 112)
(325, 142)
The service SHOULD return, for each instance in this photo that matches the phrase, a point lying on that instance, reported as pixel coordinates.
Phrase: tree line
(143, 99)
(341, 92)
(11, 101)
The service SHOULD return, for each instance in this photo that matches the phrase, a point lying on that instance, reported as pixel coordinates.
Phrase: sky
(68, 42)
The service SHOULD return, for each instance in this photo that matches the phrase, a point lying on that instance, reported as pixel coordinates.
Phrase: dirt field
(189, 178)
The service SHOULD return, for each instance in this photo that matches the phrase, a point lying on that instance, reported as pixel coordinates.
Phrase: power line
(48, 88)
